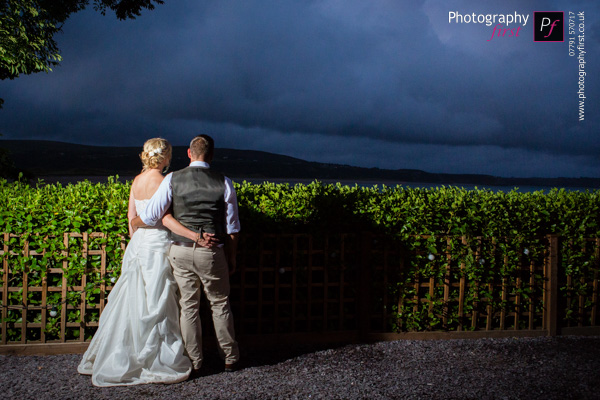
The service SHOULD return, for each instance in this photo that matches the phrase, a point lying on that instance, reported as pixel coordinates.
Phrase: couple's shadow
(253, 354)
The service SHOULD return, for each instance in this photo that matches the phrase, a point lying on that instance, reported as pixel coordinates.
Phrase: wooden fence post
(551, 295)
(24, 295)
(4, 253)
(364, 286)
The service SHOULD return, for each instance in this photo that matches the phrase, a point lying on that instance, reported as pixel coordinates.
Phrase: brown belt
(184, 244)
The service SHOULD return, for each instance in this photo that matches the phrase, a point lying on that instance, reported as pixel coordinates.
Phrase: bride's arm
(174, 226)
(204, 240)
(131, 212)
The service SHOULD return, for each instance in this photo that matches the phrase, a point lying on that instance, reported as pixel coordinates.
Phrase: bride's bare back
(145, 184)
(143, 187)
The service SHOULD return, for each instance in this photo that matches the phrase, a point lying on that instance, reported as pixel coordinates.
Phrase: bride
(138, 338)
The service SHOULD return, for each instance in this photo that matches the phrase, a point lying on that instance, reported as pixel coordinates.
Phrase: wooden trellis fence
(296, 283)
(549, 295)
(31, 302)
(342, 287)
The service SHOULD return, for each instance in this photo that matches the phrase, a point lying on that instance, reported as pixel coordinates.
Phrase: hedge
(510, 222)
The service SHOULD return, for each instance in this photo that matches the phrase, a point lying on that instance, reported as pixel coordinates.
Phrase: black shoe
(196, 373)
(231, 367)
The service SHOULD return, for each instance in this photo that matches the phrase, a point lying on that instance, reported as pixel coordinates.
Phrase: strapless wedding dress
(138, 339)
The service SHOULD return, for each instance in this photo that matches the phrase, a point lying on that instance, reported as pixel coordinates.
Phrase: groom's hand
(137, 223)
(132, 230)
(208, 240)
(232, 264)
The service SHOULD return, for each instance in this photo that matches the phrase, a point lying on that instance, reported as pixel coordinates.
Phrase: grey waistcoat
(199, 201)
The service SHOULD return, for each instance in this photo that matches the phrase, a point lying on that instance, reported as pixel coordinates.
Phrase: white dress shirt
(162, 199)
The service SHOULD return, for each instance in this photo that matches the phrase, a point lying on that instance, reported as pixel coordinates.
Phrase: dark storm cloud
(386, 83)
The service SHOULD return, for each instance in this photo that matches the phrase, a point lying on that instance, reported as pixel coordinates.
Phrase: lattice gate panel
(295, 283)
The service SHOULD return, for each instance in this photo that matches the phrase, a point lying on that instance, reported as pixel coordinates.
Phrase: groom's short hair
(202, 145)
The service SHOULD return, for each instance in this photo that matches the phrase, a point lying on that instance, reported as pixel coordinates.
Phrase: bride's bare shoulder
(154, 179)
(134, 185)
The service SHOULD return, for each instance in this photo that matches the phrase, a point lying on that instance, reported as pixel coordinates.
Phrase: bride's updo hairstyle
(156, 150)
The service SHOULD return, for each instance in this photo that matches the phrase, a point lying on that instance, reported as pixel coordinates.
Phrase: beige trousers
(200, 269)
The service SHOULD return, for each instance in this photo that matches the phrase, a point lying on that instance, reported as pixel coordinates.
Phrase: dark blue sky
(372, 83)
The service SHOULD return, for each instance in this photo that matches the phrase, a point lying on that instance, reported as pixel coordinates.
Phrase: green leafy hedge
(504, 224)
(399, 211)
(402, 211)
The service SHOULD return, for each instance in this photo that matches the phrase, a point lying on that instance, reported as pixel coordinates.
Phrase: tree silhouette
(27, 29)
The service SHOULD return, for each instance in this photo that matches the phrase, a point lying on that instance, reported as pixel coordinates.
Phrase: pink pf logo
(548, 26)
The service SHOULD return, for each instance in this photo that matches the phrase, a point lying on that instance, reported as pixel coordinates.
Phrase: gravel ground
(524, 368)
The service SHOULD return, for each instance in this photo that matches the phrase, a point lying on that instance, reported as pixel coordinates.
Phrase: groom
(204, 201)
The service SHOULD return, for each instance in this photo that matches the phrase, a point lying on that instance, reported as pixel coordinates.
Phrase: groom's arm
(231, 245)
(157, 206)
(232, 223)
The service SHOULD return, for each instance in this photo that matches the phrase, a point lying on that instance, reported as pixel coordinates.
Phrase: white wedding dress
(138, 339)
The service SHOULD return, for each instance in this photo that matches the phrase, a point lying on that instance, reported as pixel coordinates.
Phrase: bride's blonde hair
(156, 150)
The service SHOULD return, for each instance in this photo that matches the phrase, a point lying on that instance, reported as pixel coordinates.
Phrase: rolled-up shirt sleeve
(232, 219)
(159, 203)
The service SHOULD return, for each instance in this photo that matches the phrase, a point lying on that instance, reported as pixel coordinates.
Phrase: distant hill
(49, 158)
